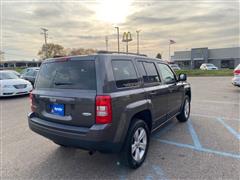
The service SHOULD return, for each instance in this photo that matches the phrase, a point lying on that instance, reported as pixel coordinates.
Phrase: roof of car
(93, 56)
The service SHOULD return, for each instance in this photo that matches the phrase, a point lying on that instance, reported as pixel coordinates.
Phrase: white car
(208, 66)
(12, 85)
(236, 78)
(14, 72)
(175, 66)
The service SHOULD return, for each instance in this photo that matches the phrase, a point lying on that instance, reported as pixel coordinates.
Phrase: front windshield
(7, 75)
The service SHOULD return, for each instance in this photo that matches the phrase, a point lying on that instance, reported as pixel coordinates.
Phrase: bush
(198, 72)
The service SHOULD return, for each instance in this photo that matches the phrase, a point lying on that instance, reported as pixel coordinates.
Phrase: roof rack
(116, 52)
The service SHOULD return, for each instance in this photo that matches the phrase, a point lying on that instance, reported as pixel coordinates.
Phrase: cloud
(74, 24)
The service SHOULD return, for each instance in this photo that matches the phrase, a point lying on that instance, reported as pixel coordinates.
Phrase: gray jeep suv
(107, 102)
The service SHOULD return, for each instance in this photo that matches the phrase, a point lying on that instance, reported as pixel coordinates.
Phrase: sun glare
(113, 11)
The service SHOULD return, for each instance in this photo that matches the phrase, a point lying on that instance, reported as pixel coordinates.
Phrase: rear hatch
(65, 92)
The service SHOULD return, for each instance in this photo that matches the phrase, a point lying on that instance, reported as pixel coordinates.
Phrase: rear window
(124, 73)
(67, 75)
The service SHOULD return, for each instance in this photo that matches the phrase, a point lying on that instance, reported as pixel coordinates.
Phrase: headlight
(7, 86)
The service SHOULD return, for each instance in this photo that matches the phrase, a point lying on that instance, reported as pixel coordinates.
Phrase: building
(21, 64)
(222, 58)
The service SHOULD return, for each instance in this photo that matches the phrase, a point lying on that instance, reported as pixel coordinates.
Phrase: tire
(185, 112)
(130, 159)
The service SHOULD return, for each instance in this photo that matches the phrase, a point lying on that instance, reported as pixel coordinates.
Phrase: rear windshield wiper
(62, 83)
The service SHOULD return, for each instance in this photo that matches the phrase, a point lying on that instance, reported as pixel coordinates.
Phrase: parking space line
(148, 178)
(165, 129)
(194, 135)
(159, 171)
(230, 129)
(213, 117)
(236, 156)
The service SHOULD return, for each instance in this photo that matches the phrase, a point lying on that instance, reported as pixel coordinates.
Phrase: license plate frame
(57, 109)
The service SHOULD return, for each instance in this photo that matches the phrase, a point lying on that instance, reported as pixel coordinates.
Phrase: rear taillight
(237, 72)
(103, 110)
(31, 102)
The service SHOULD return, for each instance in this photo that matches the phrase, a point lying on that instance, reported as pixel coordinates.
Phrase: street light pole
(118, 38)
(138, 31)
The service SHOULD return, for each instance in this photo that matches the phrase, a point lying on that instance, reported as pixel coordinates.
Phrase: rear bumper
(94, 138)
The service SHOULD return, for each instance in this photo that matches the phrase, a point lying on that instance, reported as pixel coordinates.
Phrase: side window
(142, 71)
(151, 71)
(124, 73)
(167, 74)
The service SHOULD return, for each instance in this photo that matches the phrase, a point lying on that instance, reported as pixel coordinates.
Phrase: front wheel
(185, 112)
(136, 145)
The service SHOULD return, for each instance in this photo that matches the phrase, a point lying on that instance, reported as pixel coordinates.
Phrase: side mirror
(182, 77)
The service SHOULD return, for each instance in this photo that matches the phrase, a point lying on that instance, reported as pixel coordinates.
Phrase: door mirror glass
(182, 77)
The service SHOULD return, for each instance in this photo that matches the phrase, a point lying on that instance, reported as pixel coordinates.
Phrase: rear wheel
(185, 112)
(136, 145)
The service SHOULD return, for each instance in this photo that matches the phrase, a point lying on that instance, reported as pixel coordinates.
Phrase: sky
(86, 23)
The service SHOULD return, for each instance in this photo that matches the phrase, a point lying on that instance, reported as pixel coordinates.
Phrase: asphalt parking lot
(207, 147)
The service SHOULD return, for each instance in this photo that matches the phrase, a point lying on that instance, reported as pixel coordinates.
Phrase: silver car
(175, 66)
(236, 78)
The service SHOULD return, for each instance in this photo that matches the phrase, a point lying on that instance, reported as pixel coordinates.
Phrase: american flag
(171, 41)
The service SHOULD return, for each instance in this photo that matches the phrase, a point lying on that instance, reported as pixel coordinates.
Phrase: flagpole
(169, 51)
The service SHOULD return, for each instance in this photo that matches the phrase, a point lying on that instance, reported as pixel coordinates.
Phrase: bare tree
(52, 50)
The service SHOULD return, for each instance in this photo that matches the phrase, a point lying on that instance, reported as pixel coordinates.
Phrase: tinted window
(67, 75)
(124, 73)
(142, 71)
(151, 72)
(167, 74)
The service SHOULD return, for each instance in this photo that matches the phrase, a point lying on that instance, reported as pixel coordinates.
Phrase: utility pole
(118, 38)
(138, 31)
(106, 40)
(45, 39)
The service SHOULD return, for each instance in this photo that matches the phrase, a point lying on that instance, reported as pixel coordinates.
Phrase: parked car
(107, 102)
(12, 85)
(28, 69)
(175, 66)
(30, 75)
(236, 78)
(14, 72)
(207, 66)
